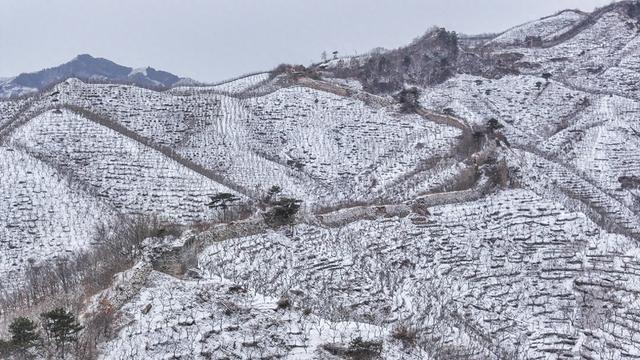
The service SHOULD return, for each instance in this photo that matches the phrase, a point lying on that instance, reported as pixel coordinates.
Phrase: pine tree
(273, 192)
(61, 328)
(282, 212)
(493, 124)
(222, 201)
(23, 333)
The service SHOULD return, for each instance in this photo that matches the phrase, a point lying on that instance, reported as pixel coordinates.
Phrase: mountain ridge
(491, 214)
(87, 68)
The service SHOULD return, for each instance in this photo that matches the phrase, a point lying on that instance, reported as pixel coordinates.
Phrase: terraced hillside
(213, 325)
(510, 274)
(290, 137)
(133, 177)
(546, 28)
(43, 214)
(493, 213)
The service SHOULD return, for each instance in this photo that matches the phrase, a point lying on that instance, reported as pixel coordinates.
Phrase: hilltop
(90, 69)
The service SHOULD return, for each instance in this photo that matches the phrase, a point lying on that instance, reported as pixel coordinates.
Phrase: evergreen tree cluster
(281, 210)
(56, 331)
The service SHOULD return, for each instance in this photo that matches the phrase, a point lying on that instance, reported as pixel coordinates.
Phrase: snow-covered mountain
(87, 68)
(462, 197)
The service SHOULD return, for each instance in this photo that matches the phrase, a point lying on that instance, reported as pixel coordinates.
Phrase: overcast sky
(216, 39)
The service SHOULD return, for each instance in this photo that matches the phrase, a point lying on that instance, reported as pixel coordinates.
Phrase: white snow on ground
(530, 108)
(602, 144)
(545, 28)
(10, 109)
(601, 44)
(512, 265)
(214, 318)
(207, 129)
(42, 215)
(545, 268)
(375, 147)
(232, 87)
(243, 84)
(132, 177)
(285, 138)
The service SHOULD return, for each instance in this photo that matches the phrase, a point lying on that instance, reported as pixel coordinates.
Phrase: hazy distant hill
(88, 68)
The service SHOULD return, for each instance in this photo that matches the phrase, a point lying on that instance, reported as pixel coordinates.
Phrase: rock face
(439, 55)
(429, 60)
(87, 68)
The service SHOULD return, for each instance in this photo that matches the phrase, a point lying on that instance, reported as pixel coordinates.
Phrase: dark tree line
(52, 336)
(278, 210)
(71, 281)
(429, 60)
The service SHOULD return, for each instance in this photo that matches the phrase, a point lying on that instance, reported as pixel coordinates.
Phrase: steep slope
(492, 213)
(596, 55)
(546, 269)
(510, 274)
(213, 325)
(43, 214)
(604, 145)
(584, 117)
(132, 177)
(235, 86)
(530, 108)
(586, 141)
(290, 137)
(431, 59)
(375, 147)
(545, 29)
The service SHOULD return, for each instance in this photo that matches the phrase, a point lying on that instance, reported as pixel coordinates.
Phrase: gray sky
(216, 39)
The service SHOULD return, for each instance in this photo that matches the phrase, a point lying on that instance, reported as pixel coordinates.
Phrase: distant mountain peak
(83, 57)
(87, 68)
